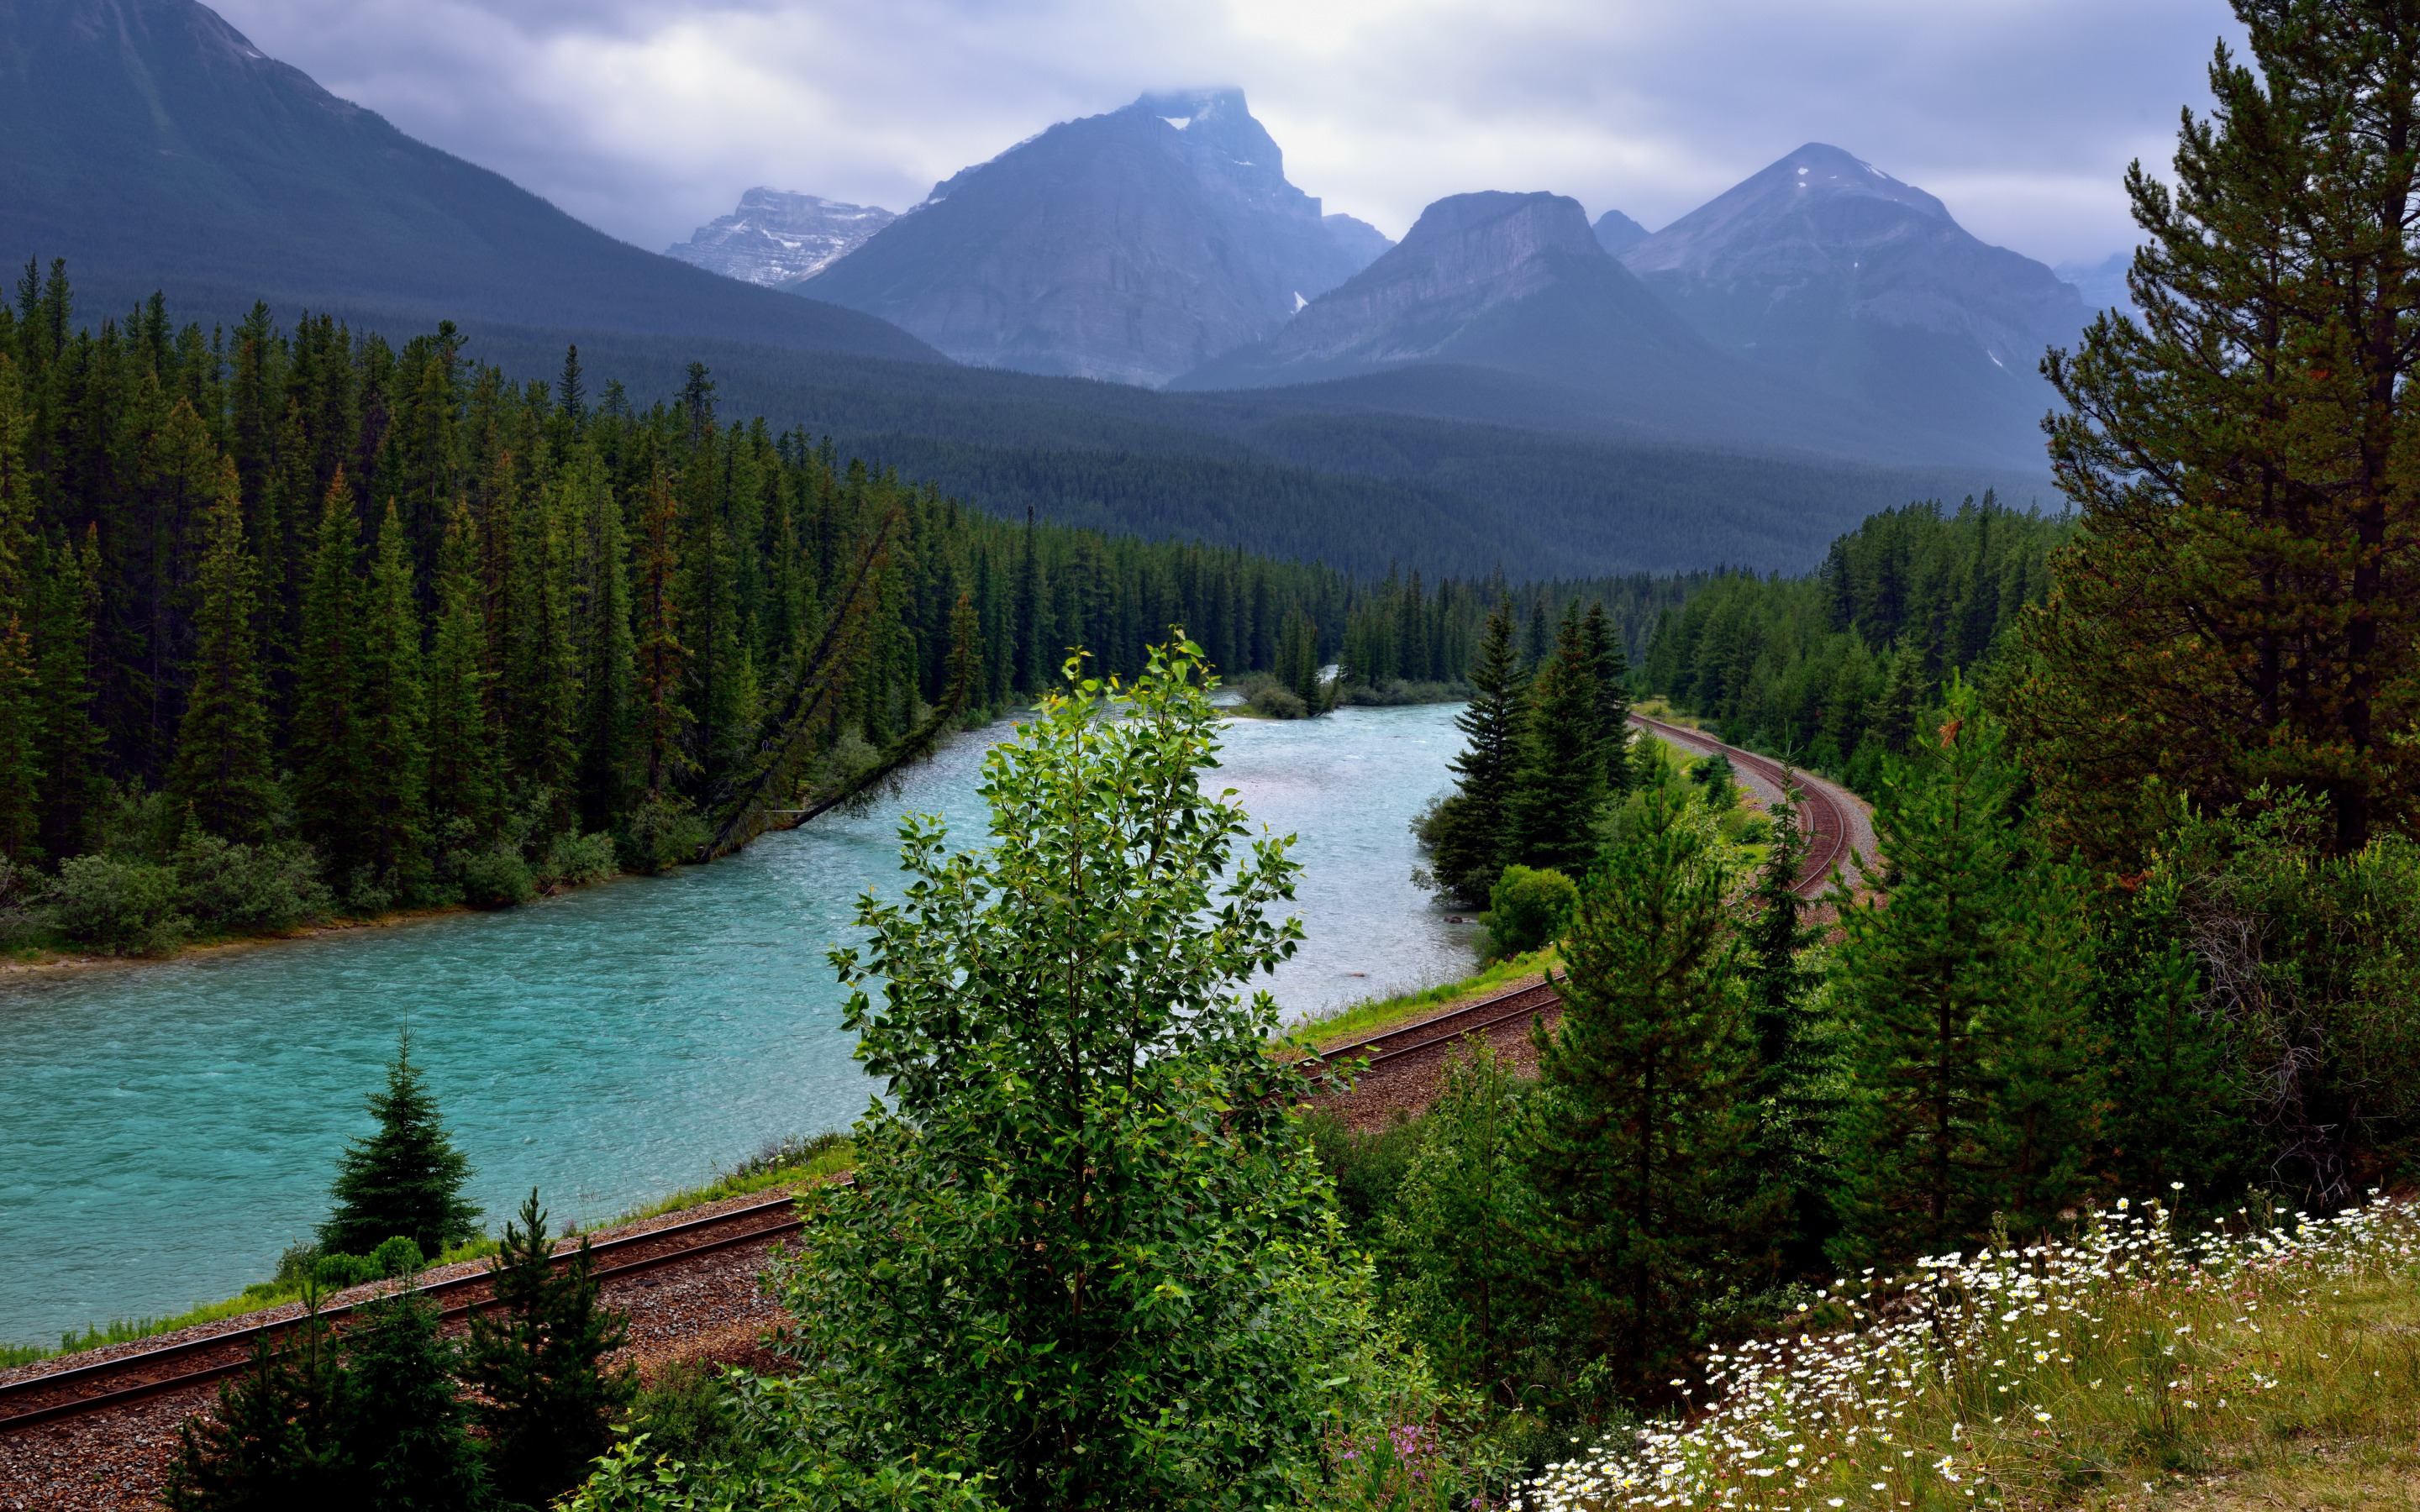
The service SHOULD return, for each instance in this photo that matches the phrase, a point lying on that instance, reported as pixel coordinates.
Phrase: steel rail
(153, 1359)
(1819, 811)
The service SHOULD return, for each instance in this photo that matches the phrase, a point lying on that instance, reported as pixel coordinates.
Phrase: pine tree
(405, 1180)
(1472, 832)
(1611, 669)
(609, 659)
(223, 779)
(274, 1439)
(402, 1424)
(461, 762)
(72, 751)
(538, 1358)
(2241, 605)
(1969, 1054)
(21, 712)
(1562, 779)
(1029, 671)
(325, 743)
(1649, 1199)
(390, 813)
(1793, 1064)
(664, 718)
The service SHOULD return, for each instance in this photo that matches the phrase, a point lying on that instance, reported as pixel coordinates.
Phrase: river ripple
(165, 1130)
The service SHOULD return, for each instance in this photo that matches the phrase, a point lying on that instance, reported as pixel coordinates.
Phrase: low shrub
(398, 1255)
(23, 920)
(1278, 702)
(1528, 910)
(664, 832)
(685, 1412)
(497, 878)
(1396, 692)
(128, 906)
(576, 860)
(246, 889)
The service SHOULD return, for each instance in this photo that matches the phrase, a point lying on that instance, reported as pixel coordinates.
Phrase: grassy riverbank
(786, 1162)
(1373, 1014)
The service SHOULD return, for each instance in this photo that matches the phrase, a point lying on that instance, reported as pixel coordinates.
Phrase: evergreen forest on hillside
(300, 621)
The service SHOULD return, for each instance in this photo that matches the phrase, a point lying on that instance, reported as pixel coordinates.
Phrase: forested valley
(305, 621)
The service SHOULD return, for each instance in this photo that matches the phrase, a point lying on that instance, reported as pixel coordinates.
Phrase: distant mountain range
(1499, 392)
(1133, 246)
(778, 237)
(153, 147)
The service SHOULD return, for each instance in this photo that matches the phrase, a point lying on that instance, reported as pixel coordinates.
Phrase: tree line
(299, 621)
(1830, 670)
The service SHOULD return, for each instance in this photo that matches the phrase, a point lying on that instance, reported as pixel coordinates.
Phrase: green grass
(792, 1160)
(1372, 1014)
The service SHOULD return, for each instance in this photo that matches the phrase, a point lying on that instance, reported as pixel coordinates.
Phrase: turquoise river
(166, 1130)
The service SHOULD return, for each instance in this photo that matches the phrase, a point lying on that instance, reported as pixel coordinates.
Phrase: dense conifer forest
(1830, 670)
(304, 620)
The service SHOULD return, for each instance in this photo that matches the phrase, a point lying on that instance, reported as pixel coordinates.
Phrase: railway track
(202, 1362)
(1819, 813)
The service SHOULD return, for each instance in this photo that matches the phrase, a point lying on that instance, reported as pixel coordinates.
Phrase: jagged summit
(1617, 233)
(778, 236)
(1132, 245)
(1824, 267)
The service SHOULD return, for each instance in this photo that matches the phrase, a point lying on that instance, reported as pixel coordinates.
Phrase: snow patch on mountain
(777, 236)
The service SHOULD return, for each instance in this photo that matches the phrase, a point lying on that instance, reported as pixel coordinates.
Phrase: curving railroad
(38, 1396)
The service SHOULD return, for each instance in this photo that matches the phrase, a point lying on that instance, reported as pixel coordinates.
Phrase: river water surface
(166, 1130)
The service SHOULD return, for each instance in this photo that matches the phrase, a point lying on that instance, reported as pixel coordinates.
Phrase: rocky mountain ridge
(1133, 245)
(778, 236)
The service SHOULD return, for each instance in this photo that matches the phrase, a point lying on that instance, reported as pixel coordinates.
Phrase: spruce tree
(1472, 836)
(21, 713)
(1611, 669)
(2242, 604)
(324, 744)
(607, 657)
(403, 1423)
(1651, 1202)
(461, 760)
(1793, 1067)
(1969, 1056)
(662, 714)
(406, 1178)
(536, 1355)
(1561, 783)
(274, 1441)
(390, 815)
(72, 751)
(223, 779)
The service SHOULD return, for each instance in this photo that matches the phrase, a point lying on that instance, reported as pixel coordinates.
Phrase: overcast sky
(647, 117)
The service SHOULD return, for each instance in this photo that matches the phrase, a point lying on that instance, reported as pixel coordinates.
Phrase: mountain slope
(777, 236)
(1617, 233)
(1130, 246)
(153, 147)
(1517, 284)
(1826, 269)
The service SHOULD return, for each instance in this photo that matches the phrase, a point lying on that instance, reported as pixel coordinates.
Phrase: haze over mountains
(1499, 391)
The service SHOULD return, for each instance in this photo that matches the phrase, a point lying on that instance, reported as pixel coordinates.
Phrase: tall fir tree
(1470, 837)
(1561, 783)
(1650, 1199)
(406, 1178)
(324, 744)
(1611, 666)
(607, 659)
(1794, 1067)
(391, 806)
(1970, 1089)
(461, 760)
(664, 718)
(2241, 605)
(20, 710)
(224, 780)
(71, 752)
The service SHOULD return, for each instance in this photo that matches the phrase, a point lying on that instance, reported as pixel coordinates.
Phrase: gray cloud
(647, 117)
